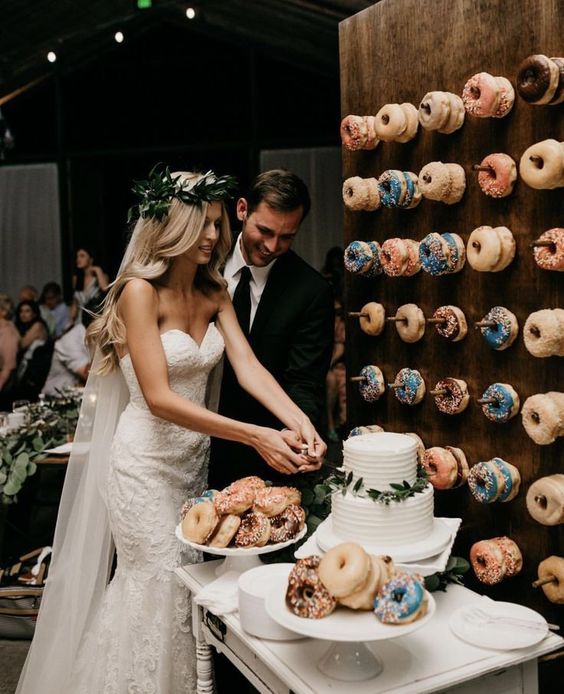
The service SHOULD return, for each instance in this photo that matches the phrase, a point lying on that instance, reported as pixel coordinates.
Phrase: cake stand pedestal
(347, 659)
(238, 560)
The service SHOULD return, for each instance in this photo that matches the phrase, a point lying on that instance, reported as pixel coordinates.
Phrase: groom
(286, 309)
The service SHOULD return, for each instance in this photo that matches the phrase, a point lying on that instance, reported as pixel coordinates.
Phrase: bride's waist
(140, 415)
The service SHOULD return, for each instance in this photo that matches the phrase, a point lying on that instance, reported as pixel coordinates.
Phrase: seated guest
(36, 349)
(9, 343)
(52, 300)
(70, 363)
(29, 293)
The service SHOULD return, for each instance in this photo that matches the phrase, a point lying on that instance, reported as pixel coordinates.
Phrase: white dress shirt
(259, 276)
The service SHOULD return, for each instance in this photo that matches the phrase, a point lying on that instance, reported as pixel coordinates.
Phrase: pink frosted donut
(441, 466)
(234, 501)
(354, 132)
(413, 261)
(551, 257)
(488, 561)
(481, 95)
(500, 178)
(394, 257)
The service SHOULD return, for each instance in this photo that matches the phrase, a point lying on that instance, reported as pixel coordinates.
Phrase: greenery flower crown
(157, 192)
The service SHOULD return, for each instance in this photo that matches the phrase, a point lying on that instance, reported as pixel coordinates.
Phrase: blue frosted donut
(376, 267)
(372, 387)
(454, 254)
(486, 482)
(433, 254)
(412, 387)
(400, 600)
(505, 406)
(410, 190)
(206, 496)
(391, 185)
(502, 334)
(507, 478)
(358, 256)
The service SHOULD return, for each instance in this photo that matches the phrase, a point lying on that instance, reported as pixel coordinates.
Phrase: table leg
(204, 669)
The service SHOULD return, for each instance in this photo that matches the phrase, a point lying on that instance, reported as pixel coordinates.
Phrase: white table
(429, 660)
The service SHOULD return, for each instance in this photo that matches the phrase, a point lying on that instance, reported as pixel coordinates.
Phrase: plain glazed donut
(373, 385)
(359, 257)
(344, 569)
(412, 120)
(381, 570)
(434, 254)
(502, 334)
(551, 577)
(537, 79)
(506, 402)
(456, 116)
(545, 500)
(434, 110)
(391, 122)
(394, 257)
(508, 248)
(542, 165)
(551, 257)
(409, 387)
(225, 531)
(373, 318)
(306, 595)
(442, 468)
(361, 194)
(484, 249)
(413, 262)
(410, 323)
(254, 530)
(543, 417)
(543, 333)
(455, 397)
(450, 323)
(401, 600)
(200, 522)
(500, 175)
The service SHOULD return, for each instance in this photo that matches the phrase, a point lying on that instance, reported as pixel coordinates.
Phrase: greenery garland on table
(341, 481)
(50, 424)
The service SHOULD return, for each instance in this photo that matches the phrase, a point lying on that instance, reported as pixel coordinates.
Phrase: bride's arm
(259, 382)
(138, 308)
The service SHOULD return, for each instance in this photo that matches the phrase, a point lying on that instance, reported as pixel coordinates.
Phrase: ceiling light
(190, 13)
(119, 37)
(51, 56)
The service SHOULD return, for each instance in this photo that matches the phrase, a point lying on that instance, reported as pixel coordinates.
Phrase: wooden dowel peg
(539, 242)
(479, 167)
(536, 159)
(437, 321)
(438, 392)
(485, 324)
(543, 581)
(358, 314)
(394, 386)
(396, 319)
(486, 401)
(357, 379)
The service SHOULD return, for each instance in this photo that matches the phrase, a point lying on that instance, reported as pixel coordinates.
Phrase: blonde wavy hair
(149, 255)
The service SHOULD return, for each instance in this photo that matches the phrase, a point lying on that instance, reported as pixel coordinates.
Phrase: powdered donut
(225, 531)
(372, 386)
(543, 333)
(481, 95)
(344, 569)
(458, 183)
(551, 577)
(499, 179)
(454, 327)
(411, 326)
(394, 257)
(457, 252)
(361, 194)
(442, 467)
(506, 403)
(358, 257)
(381, 570)
(434, 254)
(455, 397)
(412, 120)
(543, 418)
(537, 79)
(413, 263)
(435, 181)
(508, 248)
(391, 122)
(488, 562)
(456, 116)
(558, 97)
(401, 600)
(502, 334)
(551, 257)
(306, 595)
(200, 522)
(434, 110)
(410, 388)
(354, 132)
(542, 165)
(373, 320)
(545, 500)
(234, 500)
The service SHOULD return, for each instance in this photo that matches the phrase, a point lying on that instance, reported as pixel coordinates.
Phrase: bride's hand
(272, 446)
(297, 443)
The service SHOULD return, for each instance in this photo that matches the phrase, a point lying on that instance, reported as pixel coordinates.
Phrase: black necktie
(242, 300)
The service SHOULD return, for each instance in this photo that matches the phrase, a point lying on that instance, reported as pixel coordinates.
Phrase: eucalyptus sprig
(157, 192)
(456, 568)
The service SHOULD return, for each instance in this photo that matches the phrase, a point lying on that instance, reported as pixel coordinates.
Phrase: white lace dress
(140, 641)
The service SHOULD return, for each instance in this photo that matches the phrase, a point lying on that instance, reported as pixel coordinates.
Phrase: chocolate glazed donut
(537, 79)
(558, 97)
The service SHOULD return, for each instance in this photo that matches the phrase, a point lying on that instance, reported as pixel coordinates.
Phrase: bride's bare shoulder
(140, 293)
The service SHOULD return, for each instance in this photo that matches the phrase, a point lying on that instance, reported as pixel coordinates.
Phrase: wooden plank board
(396, 51)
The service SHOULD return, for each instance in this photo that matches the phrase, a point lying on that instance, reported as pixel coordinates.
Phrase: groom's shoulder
(298, 270)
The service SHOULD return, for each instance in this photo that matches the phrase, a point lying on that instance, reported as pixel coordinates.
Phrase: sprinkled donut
(344, 569)
(486, 96)
(409, 387)
(413, 262)
(206, 496)
(543, 333)
(376, 268)
(401, 600)
(543, 417)
(545, 500)
(446, 468)
(511, 478)
(454, 397)
(359, 257)
(537, 79)
(361, 194)
(434, 254)
(457, 252)
(306, 595)
(542, 165)
(450, 323)
(494, 480)
(254, 530)
(373, 318)
(502, 334)
(410, 323)
(462, 469)
(372, 386)
(393, 188)
(551, 256)
(252, 482)
(497, 175)
(511, 554)
(234, 500)
(272, 500)
(356, 133)
(506, 402)
(285, 525)
(488, 562)
(394, 257)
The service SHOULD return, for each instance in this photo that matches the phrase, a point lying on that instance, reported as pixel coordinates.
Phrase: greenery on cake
(341, 481)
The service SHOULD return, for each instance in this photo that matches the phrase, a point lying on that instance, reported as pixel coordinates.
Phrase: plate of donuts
(239, 551)
(343, 624)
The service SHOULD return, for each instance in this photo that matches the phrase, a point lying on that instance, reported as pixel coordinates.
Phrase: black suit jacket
(292, 336)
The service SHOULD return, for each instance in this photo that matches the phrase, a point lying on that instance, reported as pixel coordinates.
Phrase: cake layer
(365, 521)
(381, 459)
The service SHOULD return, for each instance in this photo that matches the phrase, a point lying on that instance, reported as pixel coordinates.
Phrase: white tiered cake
(381, 459)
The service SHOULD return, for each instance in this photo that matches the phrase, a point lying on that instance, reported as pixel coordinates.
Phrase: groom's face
(267, 233)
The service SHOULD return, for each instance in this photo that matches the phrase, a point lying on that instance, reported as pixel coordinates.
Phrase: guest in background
(9, 344)
(29, 293)
(52, 300)
(90, 283)
(336, 381)
(35, 351)
(333, 270)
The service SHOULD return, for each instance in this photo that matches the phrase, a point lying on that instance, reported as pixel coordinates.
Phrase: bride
(141, 450)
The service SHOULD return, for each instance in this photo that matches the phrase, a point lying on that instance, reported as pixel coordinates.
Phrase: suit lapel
(275, 285)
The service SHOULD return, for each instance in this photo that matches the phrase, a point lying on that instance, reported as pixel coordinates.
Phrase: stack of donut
(361, 194)
(543, 417)
(245, 514)
(396, 123)
(442, 182)
(442, 254)
(543, 333)
(495, 559)
(545, 500)
(494, 480)
(441, 111)
(486, 96)
(358, 132)
(446, 468)
(350, 577)
(540, 80)
(542, 165)
(399, 189)
(549, 250)
(363, 258)
(490, 249)
(400, 257)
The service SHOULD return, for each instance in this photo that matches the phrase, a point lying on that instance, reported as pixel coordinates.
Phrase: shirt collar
(259, 274)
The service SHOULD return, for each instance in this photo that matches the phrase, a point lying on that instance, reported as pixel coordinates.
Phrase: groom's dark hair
(280, 189)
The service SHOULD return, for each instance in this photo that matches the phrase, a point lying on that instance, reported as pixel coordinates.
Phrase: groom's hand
(297, 444)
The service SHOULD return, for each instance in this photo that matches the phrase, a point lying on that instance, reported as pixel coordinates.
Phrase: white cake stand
(347, 659)
(237, 559)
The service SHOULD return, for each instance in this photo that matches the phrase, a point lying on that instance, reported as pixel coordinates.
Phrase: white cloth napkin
(220, 596)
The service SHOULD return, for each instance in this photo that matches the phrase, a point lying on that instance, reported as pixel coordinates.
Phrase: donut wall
(396, 52)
